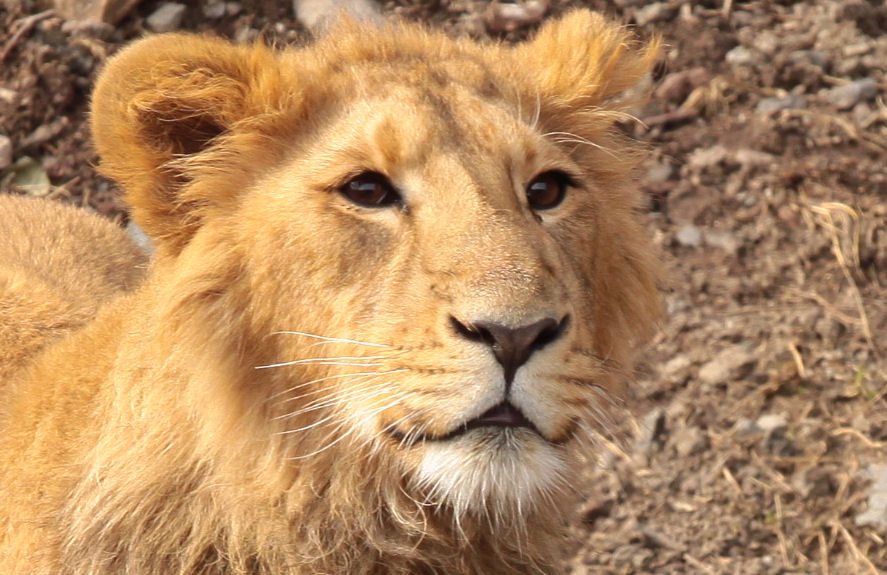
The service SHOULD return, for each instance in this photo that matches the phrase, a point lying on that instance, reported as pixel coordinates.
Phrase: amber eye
(547, 190)
(370, 189)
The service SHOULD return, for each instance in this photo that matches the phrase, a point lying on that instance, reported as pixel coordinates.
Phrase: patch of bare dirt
(761, 444)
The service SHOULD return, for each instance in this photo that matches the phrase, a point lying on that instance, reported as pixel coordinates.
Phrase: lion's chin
(494, 471)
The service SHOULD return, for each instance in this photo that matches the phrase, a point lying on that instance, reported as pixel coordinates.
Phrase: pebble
(722, 239)
(730, 364)
(5, 152)
(654, 12)
(750, 157)
(245, 35)
(676, 365)
(772, 422)
(740, 56)
(689, 236)
(707, 157)
(678, 85)
(233, 8)
(688, 441)
(809, 57)
(167, 17)
(770, 105)
(876, 511)
(659, 173)
(846, 96)
(214, 10)
(7, 96)
(745, 427)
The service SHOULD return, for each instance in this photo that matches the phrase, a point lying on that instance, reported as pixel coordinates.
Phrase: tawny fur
(234, 413)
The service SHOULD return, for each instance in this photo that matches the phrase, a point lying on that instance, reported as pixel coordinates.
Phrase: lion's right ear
(160, 106)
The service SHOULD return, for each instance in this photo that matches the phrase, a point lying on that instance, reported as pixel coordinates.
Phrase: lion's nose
(512, 346)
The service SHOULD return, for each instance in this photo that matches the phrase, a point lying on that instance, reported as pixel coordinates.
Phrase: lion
(397, 286)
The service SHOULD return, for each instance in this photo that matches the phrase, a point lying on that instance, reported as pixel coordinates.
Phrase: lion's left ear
(583, 61)
(165, 100)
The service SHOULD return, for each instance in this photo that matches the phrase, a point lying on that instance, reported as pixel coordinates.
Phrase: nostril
(472, 331)
(550, 332)
(512, 347)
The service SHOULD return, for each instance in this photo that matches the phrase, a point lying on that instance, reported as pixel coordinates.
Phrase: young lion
(397, 282)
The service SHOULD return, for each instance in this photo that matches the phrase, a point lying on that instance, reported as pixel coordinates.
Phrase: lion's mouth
(503, 415)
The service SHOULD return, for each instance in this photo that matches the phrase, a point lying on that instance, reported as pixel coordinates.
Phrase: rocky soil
(760, 443)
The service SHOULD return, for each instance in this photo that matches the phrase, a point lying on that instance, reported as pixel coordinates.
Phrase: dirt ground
(761, 438)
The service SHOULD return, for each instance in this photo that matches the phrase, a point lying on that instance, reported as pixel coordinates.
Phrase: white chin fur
(493, 472)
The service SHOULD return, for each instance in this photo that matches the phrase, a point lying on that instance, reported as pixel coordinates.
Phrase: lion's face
(429, 267)
(444, 236)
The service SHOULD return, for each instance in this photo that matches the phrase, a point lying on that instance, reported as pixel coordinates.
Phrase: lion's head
(394, 247)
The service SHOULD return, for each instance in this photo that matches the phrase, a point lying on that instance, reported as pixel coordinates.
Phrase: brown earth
(761, 444)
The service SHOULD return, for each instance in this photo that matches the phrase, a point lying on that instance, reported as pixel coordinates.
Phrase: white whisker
(329, 339)
(315, 361)
(350, 431)
(337, 398)
(336, 376)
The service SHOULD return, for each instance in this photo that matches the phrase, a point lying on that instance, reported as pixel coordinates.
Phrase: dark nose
(512, 346)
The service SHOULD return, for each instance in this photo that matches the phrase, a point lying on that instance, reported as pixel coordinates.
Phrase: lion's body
(303, 382)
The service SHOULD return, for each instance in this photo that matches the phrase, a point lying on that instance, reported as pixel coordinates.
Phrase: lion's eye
(370, 189)
(547, 190)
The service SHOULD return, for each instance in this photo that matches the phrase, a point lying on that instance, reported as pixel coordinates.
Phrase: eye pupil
(370, 189)
(547, 190)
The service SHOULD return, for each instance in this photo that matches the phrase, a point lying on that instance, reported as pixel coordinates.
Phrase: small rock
(749, 157)
(7, 96)
(245, 35)
(676, 365)
(846, 96)
(317, 15)
(108, 11)
(214, 10)
(772, 422)
(89, 28)
(770, 105)
(41, 134)
(723, 240)
(688, 441)
(659, 173)
(766, 42)
(677, 86)
(654, 12)
(730, 364)
(689, 236)
(707, 157)
(809, 58)
(30, 177)
(876, 512)
(740, 56)
(5, 152)
(745, 427)
(509, 17)
(857, 49)
(167, 17)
